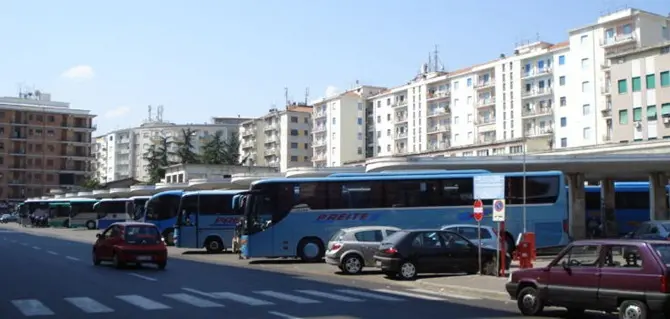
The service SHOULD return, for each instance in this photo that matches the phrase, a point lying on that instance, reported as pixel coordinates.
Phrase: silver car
(489, 235)
(351, 249)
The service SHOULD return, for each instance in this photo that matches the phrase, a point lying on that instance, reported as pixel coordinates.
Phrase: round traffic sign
(478, 210)
(499, 206)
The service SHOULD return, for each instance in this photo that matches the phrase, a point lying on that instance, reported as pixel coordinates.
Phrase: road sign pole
(479, 253)
(498, 249)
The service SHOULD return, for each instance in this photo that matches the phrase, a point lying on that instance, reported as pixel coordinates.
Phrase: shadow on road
(204, 252)
(282, 261)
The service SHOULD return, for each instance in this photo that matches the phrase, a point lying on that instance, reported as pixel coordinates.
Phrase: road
(53, 277)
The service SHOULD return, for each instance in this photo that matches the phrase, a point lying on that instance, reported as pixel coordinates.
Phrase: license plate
(143, 258)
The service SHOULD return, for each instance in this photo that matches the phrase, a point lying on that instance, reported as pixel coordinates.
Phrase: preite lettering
(343, 216)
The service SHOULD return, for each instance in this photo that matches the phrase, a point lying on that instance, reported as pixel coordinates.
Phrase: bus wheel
(168, 234)
(90, 225)
(310, 249)
(213, 245)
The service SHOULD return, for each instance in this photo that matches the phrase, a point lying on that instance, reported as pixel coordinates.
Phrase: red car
(130, 243)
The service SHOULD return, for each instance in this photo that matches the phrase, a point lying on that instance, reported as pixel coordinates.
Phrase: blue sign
(499, 206)
(489, 186)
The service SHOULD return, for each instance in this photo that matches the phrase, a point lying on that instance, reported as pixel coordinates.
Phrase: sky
(205, 58)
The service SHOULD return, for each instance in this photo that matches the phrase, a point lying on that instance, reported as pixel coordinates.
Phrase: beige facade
(640, 95)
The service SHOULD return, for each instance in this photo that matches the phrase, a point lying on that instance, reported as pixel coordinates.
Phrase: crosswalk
(199, 299)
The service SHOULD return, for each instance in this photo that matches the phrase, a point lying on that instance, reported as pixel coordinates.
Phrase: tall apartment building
(338, 131)
(640, 94)
(44, 144)
(280, 138)
(120, 154)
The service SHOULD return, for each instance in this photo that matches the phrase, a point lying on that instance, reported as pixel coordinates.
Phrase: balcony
(271, 139)
(539, 131)
(538, 92)
(439, 128)
(399, 104)
(439, 112)
(270, 152)
(618, 39)
(486, 102)
(319, 142)
(536, 73)
(607, 111)
(319, 114)
(271, 127)
(438, 146)
(400, 118)
(319, 129)
(400, 135)
(319, 157)
(487, 139)
(248, 144)
(250, 131)
(607, 137)
(605, 90)
(485, 120)
(436, 95)
(536, 112)
(483, 85)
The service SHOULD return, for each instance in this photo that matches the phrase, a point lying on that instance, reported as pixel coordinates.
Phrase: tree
(158, 158)
(185, 147)
(213, 150)
(231, 150)
(91, 183)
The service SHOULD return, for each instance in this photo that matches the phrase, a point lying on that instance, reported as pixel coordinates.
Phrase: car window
(108, 232)
(663, 251)
(653, 229)
(471, 233)
(580, 256)
(390, 232)
(622, 256)
(395, 237)
(146, 234)
(338, 236)
(455, 241)
(427, 240)
(369, 236)
(643, 229)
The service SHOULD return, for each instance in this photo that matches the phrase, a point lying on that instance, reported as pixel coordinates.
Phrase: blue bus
(109, 211)
(135, 207)
(411, 173)
(290, 217)
(207, 219)
(631, 206)
(161, 210)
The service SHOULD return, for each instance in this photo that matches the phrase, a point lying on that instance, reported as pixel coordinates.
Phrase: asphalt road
(45, 276)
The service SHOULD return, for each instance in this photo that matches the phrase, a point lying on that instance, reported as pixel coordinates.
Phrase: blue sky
(207, 58)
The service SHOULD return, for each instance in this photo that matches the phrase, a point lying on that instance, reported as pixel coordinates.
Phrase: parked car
(651, 230)
(596, 275)
(407, 253)
(351, 249)
(130, 243)
(489, 235)
(8, 218)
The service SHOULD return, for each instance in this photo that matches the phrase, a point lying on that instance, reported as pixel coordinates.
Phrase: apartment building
(120, 154)
(279, 139)
(339, 124)
(44, 144)
(639, 106)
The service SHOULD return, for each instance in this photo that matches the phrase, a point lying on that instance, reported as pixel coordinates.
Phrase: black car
(407, 253)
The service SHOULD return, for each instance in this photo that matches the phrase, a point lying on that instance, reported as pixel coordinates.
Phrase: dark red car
(628, 276)
(130, 243)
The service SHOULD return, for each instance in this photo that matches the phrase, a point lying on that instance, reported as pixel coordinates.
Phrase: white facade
(120, 154)
(338, 130)
(281, 138)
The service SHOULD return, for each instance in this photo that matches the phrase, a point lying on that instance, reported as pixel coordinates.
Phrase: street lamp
(523, 139)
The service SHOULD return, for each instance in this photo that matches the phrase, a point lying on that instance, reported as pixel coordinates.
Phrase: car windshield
(663, 251)
(666, 226)
(142, 235)
(395, 237)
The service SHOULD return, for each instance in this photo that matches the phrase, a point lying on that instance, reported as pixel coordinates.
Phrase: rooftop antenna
(436, 59)
(159, 114)
(286, 97)
(306, 96)
(537, 36)
(149, 119)
(430, 62)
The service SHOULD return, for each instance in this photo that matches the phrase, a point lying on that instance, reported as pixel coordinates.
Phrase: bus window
(188, 210)
(356, 195)
(592, 200)
(539, 189)
(163, 207)
(218, 204)
(631, 200)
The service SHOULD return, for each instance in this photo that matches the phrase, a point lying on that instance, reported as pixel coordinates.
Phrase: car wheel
(90, 225)
(633, 309)
(96, 260)
(407, 270)
(529, 302)
(116, 262)
(490, 267)
(352, 264)
(162, 265)
(214, 245)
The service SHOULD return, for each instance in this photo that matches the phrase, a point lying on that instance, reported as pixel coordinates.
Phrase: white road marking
(407, 294)
(369, 295)
(282, 315)
(36, 248)
(88, 305)
(287, 297)
(52, 252)
(194, 301)
(448, 295)
(330, 296)
(72, 258)
(32, 307)
(231, 296)
(142, 302)
(143, 277)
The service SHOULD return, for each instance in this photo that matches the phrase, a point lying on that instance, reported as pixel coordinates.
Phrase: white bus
(82, 213)
(111, 210)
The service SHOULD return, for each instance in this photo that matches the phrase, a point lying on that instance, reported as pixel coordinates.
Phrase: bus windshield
(110, 207)
(162, 207)
(136, 208)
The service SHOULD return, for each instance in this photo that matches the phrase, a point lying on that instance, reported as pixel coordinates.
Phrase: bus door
(59, 215)
(186, 232)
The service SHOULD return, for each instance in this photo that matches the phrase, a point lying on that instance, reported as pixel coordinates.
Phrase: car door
(368, 241)
(429, 252)
(461, 255)
(573, 280)
(103, 245)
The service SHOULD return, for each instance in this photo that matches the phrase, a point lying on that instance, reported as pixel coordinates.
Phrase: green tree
(91, 183)
(185, 147)
(213, 150)
(231, 150)
(158, 158)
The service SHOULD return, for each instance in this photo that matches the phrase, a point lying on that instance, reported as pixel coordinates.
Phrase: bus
(135, 207)
(410, 173)
(295, 217)
(161, 210)
(82, 213)
(109, 211)
(58, 213)
(207, 219)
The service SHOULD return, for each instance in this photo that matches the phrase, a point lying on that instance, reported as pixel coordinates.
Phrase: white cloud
(117, 112)
(79, 72)
(332, 91)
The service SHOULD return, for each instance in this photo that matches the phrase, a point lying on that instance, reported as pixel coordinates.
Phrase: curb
(484, 293)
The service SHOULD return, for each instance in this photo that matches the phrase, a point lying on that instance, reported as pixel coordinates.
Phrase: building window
(294, 158)
(360, 136)
(583, 39)
(651, 81)
(665, 110)
(334, 121)
(469, 82)
(623, 86)
(294, 145)
(294, 132)
(623, 117)
(564, 142)
(651, 113)
(360, 121)
(561, 60)
(637, 114)
(294, 119)
(586, 86)
(360, 150)
(379, 119)
(637, 84)
(564, 122)
(586, 109)
(665, 78)
(561, 80)
(585, 64)
(563, 101)
(586, 134)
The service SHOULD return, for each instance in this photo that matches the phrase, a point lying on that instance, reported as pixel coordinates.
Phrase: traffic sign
(489, 186)
(478, 210)
(499, 210)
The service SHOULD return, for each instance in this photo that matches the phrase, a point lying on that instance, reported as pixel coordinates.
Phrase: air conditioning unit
(666, 120)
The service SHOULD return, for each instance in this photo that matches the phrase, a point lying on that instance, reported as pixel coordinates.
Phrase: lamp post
(523, 139)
